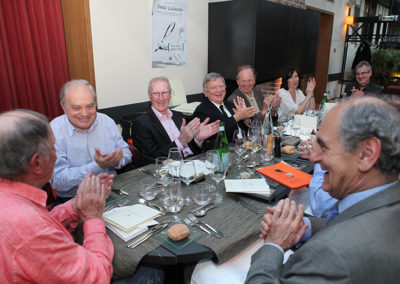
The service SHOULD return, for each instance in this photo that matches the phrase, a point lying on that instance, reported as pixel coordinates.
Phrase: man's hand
(356, 92)
(305, 151)
(207, 129)
(107, 180)
(275, 100)
(90, 198)
(108, 160)
(241, 111)
(189, 130)
(287, 226)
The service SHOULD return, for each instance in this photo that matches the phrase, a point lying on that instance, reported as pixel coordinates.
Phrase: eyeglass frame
(164, 94)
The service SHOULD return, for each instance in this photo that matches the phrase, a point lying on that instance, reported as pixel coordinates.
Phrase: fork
(146, 171)
(195, 220)
(248, 206)
(192, 224)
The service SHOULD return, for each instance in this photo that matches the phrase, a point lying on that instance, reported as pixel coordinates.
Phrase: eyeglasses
(157, 94)
(213, 87)
(363, 73)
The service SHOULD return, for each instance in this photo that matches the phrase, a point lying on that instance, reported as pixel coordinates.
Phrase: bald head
(22, 134)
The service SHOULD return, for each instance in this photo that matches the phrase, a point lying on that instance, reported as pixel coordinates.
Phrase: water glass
(161, 170)
(201, 194)
(187, 174)
(147, 188)
(173, 199)
(175, 159)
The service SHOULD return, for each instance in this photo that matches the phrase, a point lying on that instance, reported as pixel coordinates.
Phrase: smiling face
(293, 82)
(80, 106)
(160, 95)
(343, 175)
(246, 81)
(215, 91)
(363, 75)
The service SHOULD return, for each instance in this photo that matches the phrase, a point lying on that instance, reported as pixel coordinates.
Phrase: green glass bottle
(221, 144)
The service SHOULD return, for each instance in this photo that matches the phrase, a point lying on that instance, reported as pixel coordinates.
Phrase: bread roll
(288, 150)
(178, 232)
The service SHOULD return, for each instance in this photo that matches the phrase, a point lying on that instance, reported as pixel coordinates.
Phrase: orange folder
(286, 175)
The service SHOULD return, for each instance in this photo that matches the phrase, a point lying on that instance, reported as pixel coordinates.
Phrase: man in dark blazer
(359, 147)
(215, 108)
(363, 84)
(160, 129)
(246, 79)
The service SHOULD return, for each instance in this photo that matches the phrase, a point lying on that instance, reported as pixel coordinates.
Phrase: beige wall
(121, 35)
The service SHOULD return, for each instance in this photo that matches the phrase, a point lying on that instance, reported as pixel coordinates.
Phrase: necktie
(221, 107)
(333, 214)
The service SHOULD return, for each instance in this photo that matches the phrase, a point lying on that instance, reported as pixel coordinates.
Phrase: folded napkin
(286, 175)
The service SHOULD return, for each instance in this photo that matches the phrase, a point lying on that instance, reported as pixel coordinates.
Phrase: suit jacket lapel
(159, 128)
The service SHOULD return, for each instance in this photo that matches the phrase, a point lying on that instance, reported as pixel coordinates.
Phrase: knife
(153, 231)
(119, 191)
(248, 206)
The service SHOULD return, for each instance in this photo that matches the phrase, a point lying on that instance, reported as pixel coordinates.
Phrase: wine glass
(147, 190)
(175, 159)
(239, 139)
(187, 174)
(173, 199)
(217, 168)
(254, 140)
(162, 171)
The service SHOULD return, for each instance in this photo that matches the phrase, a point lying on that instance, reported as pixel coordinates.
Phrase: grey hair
(155, 79)
(244, 67)
(363, 63)
(367, 119)
(211, 77)
(28, 133)
(66, 86)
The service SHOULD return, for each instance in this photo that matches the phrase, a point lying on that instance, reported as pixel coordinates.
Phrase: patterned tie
(332, 215)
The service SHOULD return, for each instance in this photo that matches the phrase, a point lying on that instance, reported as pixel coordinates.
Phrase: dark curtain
(33, 58)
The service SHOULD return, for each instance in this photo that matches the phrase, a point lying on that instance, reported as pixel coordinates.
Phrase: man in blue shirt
(85, 140)
(359, 148)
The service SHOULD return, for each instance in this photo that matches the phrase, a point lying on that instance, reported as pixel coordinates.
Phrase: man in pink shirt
(160, 129)
(36, 245)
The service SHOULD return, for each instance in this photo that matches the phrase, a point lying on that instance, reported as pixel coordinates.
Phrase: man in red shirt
(36, 245)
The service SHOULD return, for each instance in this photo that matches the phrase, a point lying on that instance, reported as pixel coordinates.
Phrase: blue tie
(333, 214)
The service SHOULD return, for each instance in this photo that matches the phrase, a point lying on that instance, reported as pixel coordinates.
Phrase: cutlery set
(146, 235)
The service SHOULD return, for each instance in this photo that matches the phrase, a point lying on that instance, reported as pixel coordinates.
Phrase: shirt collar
(354, 198)
(71, 129)
(161, 116)
(27, 191)
(218, 105)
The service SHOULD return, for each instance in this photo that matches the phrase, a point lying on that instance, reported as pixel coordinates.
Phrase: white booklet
(128, 218)
(126, 236)
(258, 186)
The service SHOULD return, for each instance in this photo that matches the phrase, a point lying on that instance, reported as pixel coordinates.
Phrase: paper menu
(126, 236)
(258, 186)
(308, 122)
(128, 218)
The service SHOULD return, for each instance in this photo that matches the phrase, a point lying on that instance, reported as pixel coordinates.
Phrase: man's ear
(36, 164)
(369, 152)
(63, 107)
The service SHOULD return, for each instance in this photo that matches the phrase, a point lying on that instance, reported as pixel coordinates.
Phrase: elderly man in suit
(246, 79)
(215, 108)
(161, 129)
(358, 145)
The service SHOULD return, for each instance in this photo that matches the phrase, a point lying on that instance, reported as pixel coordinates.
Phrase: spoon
(203, 212)
(145, 202)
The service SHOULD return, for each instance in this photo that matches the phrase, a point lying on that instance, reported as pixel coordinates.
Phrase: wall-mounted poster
(169, 33)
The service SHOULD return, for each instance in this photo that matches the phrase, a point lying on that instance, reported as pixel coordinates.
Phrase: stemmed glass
(254, 140)
(239, 139)
(175, 159)
(217, 168)
(187, 174)
(162, 171)
(173, 199)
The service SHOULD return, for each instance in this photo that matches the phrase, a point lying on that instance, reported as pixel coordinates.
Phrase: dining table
(240, 225)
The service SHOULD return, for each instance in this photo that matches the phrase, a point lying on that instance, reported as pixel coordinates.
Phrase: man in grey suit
(246, 79)
(359, 147)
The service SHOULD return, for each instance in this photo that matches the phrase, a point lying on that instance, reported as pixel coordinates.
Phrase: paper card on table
(286, 175)
(126, 236)
(247, 185)
(308, 122)
(128, 218)
(329, 106)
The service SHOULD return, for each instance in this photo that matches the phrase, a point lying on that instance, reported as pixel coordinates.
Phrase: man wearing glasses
(215, 108)
(160, 129)
(363, 85)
